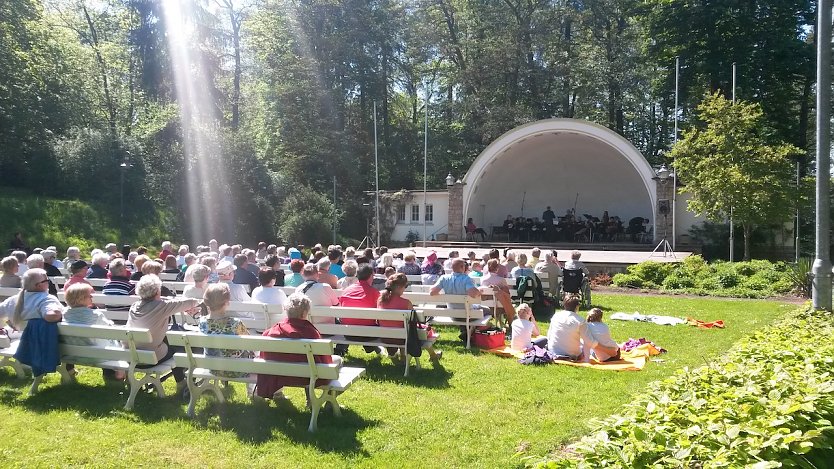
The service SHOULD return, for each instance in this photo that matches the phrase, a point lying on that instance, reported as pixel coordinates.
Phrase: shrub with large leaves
(767, 403)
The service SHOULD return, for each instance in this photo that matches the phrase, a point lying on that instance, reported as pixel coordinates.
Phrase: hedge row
(767, 403)
(752, 279)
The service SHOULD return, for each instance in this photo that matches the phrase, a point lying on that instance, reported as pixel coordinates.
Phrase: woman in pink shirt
(392, 298)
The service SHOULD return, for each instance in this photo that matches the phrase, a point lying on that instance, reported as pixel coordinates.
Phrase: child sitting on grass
(604, 348)
(524, 328)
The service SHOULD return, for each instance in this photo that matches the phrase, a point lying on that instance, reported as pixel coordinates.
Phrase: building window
(415, 213)
(429, 213)
(400, 213)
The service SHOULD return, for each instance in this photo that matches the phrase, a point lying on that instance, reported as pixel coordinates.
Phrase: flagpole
(376, 164)
(732, 225)
(674, 169)
(425, 167)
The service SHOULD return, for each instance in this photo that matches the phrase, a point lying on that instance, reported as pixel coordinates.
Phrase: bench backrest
(6, 292)
(130, 337)
(399, 315)
(309, 347)
(426, 303)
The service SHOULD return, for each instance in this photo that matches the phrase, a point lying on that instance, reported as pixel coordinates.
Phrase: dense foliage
(750, 279)
(731, 167)
(288, 91)
(767, 403)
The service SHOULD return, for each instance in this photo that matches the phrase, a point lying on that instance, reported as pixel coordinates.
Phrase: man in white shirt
(568, 332)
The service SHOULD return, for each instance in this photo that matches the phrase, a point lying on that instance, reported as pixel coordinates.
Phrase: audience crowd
(217, 274)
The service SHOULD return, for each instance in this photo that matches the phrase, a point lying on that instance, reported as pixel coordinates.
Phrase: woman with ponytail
(33, 301)
(392, 298)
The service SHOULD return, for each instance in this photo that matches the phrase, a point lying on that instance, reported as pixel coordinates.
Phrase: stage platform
(610, 257)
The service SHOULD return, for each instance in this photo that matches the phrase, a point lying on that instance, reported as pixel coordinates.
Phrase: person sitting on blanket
(604, 349)
(216, 299)
(568, 332)
(294, 326)
(524, 328)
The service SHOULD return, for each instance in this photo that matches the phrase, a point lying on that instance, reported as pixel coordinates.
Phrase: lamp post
(821, 288)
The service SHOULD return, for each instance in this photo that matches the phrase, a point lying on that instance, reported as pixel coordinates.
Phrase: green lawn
(474, 411)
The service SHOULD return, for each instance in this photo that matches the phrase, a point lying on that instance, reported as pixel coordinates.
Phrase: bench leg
(35, 383)
(66, 376)
(19, 368)
(316, 404)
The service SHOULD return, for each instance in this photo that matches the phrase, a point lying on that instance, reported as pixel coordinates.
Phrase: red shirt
(289, 329)
(73, 280)
(359, 295)
(396, 302)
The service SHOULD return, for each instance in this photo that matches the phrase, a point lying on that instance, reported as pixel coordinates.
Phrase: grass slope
(46, 221)
(477, 410)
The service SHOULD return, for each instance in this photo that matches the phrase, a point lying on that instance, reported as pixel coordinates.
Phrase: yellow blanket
(633, 360)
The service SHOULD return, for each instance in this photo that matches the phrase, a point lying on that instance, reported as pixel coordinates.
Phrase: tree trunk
(747, 228)
(111, 108)
(235, 19)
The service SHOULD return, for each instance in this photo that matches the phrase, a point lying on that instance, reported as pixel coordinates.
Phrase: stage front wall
(552, 169)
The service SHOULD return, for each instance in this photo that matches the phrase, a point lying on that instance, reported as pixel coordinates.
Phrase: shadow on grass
(256, 422)
(90, 401)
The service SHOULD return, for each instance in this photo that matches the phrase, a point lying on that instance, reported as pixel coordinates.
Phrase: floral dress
(228, 326)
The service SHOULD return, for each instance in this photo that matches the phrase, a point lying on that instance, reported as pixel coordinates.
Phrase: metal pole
(796, 240)
(425, 167)
(821, 288)
(376, 164)
(674, 170)
(732, 225)
(123, 166)
(334, 209)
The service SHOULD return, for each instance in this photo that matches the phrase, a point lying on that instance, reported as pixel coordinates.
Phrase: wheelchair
(576, 282)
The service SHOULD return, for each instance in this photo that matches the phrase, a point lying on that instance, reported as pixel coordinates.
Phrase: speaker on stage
(663, 206)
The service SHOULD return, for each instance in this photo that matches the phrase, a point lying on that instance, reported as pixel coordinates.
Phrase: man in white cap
(226, 273)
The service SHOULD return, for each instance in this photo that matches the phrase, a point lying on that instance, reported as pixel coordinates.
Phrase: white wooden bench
(202, 367)
(434, 307)
(111, 357)
(371, 335)
(167, 277)
(9, 347)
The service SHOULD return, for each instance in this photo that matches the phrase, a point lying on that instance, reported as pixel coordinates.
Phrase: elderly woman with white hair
(73, 254)
(216, 300)
(98, 269)
(10, 269)
(33, 301)
(200, 274)
(294, 326)
(153, 312)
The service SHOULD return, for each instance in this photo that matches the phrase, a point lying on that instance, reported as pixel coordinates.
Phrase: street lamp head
(663, 174)
(123, 165)
(450, 180)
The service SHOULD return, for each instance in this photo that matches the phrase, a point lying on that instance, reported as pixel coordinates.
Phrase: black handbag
(414, 347)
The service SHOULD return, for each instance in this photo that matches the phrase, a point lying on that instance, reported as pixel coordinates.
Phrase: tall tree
(730, 162)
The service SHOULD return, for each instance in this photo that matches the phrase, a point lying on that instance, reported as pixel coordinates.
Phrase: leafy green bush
(628, 281)
(678, 281)
(767, 403)
(650, 271)
(753, 279)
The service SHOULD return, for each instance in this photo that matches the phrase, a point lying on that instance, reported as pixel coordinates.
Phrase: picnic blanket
(704, 324)
(653, 318)
(633, 360)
